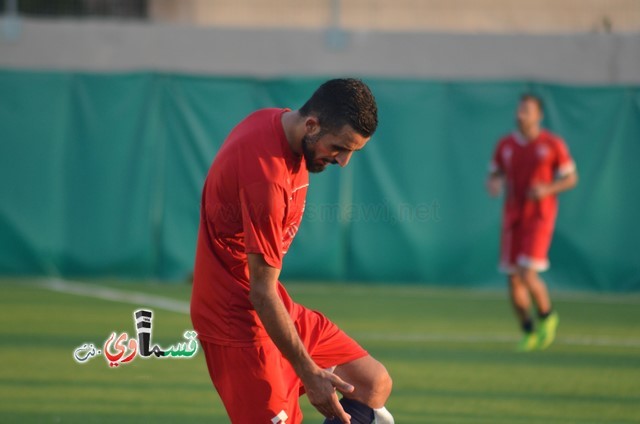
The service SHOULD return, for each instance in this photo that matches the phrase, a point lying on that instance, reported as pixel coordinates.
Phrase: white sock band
(382, 416)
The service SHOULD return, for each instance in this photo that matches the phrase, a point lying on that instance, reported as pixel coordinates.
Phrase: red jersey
(252, 202)
(526, 164)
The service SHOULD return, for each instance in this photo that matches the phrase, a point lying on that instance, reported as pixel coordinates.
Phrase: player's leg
(537, 287)
(531, 261)
(521, 301)
(510, 245)
(370, 378)
(331, 348)
(372, 385)
(548, 317)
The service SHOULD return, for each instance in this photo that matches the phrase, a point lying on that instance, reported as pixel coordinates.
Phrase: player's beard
(522, 126)
(313, 165)
(527, 128)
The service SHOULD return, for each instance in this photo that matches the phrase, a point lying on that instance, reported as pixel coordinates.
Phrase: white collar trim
(519, 138)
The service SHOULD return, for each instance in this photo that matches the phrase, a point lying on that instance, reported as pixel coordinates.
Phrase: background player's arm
(319, 383)
(495, 182)
(560, 184)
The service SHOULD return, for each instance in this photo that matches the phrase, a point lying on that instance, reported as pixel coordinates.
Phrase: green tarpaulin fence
(101, 175)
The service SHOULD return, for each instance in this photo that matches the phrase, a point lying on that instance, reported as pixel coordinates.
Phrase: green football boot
(528, 343)
(547, 330)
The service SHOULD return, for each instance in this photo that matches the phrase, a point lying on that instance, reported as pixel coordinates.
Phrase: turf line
(115, 295)
(467, 293)
(491, 338)
(172, 305)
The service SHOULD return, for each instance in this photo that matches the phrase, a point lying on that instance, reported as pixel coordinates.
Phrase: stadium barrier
(101, 175)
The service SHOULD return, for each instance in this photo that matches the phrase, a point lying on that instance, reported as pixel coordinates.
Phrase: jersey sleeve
(263, 211)
(564, 164)
(496, 164)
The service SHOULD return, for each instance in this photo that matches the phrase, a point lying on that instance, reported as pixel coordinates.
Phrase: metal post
(11, 21)
(11, 7)
(336, 11)
(336, 37)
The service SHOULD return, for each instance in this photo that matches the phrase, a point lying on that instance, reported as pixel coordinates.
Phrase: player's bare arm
(320, 384)
(495, 182)
(561, 184)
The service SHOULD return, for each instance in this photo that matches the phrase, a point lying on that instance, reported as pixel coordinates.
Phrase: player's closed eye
(341, 148)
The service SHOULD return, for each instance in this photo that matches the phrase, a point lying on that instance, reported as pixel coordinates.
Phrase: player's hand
(321, 391)
(494, 186)
(539, 191)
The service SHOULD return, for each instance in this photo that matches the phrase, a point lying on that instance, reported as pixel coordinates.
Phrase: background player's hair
(525, 97)
(338, 102)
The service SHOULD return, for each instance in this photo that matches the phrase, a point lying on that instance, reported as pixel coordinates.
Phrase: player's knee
(380, 388)
(517, 287)
(386, 383)
(372, 382)
(514, 281)
(528, 276)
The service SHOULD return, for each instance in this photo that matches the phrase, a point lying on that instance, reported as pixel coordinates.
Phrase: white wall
(537, 16)
(113, 46)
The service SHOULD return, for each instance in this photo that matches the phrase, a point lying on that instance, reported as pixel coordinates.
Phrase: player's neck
(530, 134)
(293, 130)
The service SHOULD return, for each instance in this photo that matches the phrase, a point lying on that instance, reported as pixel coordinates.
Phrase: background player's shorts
(258, 385)
(526, 244)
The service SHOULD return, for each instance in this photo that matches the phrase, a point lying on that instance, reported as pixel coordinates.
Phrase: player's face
(529, 115)
(323, 148)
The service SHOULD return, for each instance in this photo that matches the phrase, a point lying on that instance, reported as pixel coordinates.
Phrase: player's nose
(343, 158)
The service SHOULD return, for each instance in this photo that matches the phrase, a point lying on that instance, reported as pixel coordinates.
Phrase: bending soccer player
(535, 165)
(262, 349)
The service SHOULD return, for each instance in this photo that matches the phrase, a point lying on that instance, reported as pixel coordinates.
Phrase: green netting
(101, 175)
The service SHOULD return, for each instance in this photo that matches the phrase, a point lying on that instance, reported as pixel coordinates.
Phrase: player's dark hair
(338, 102)
(530, 97)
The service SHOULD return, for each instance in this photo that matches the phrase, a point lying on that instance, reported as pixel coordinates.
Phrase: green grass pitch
(449, 352)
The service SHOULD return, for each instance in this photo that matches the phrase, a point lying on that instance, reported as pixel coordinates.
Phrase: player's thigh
(331, 347)
(256, 384)
(370, 378)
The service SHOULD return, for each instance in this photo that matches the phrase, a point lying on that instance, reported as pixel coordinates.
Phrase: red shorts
(258, 385)
(526, 244)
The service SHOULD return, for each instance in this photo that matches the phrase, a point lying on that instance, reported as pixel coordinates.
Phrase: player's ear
(312, 125)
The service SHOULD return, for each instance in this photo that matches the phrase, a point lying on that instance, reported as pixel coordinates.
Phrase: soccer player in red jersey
(534, 165)
(262, 349)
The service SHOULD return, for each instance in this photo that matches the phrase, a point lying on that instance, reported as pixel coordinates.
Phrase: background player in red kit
(262, 349)
(535, 165)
